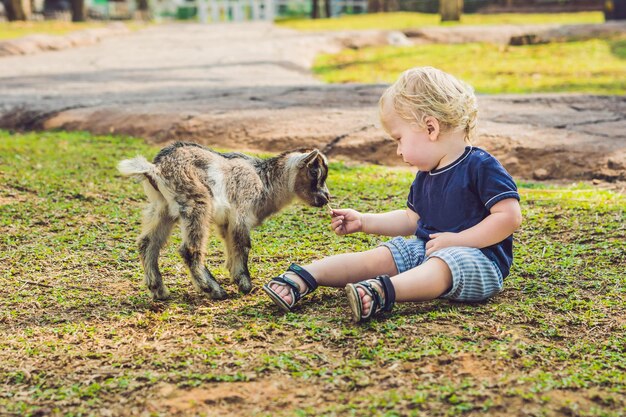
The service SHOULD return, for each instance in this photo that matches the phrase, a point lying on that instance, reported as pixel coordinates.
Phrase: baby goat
(198, 187)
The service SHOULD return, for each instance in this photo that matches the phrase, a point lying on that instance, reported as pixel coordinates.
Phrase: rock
(398, 38)
(541, 174)
(615, 163)
(529, 39)
(513, 161)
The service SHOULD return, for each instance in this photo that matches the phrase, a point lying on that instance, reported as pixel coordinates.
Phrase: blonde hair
(426, 91)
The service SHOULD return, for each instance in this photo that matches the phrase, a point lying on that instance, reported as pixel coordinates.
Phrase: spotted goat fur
(198, 188)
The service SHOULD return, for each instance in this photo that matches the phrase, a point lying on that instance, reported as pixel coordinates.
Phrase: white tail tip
(135, 166)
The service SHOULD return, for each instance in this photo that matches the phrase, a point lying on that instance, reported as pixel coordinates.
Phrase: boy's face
(417, 146)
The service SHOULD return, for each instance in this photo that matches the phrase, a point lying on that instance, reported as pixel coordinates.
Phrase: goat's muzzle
(321, 199)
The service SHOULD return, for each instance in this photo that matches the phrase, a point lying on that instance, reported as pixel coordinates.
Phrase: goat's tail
(140, 169)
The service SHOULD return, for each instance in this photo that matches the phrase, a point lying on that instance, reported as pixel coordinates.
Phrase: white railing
(234, 10)
(207, 11)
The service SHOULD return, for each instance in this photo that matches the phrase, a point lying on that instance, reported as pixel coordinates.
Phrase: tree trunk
(142, 5)
(327, 8)
(78, 11)
(450, 10)
(378, 6)
(143, 10)
(615, 10)
(390, 5)
(14, 10)
(374, 6)
(315, 10)
(27, 9)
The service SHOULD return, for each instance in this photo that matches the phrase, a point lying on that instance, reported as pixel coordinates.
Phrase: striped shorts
(474, 276)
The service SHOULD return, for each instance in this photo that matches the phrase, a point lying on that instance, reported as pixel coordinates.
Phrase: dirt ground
(247, 87)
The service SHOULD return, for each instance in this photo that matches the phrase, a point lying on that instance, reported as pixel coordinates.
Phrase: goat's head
(311, 170)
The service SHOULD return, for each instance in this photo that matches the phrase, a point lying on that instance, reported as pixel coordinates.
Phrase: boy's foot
(287, 289)
(367, 300)
(368, 297)
(284, 290)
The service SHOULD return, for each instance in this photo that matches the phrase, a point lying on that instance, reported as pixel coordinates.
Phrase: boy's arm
(393, 223)
(505, 218)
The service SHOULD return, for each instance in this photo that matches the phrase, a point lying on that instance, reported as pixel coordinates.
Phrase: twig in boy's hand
(329, 208)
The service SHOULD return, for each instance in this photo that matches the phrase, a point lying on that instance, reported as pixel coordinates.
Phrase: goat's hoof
(245, 287)
(243, 281)
(218, 294)
(161, 294)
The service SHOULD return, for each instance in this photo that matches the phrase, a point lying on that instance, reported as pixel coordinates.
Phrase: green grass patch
(589, 66)
(79, 333)
(11, 30)
(407, 20)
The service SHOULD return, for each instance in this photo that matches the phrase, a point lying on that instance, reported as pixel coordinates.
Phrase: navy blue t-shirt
(460, 195)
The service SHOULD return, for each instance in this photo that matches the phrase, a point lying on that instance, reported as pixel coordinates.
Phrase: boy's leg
(456, 273)
(339, 270)
(425, 282)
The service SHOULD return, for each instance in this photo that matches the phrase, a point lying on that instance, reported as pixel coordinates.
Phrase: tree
(78, 11)
(14, 10)
(143, 9)
(450, 10)
(314, 9)
(315, 13)
(378, 6)
(615, 9)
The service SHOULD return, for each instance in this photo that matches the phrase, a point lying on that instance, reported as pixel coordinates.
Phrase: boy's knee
(381, 258)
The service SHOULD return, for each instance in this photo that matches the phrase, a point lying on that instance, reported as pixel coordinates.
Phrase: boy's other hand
(439, 241)
(346, 221)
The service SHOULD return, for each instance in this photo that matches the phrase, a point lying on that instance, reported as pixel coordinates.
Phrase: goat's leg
(238, 244)
(157, 226)
(223, 229)
(195, 227)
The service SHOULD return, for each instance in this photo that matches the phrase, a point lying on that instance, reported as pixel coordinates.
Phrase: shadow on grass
(618, 48)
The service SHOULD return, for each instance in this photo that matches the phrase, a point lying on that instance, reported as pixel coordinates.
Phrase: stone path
(248, 87)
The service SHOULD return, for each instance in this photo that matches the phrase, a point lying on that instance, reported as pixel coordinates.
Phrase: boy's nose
(398, 151)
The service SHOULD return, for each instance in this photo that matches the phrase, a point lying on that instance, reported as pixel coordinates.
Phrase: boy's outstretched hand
(346, 221)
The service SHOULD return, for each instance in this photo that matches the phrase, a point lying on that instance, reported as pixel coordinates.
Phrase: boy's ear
(432, 127)
(310, 157)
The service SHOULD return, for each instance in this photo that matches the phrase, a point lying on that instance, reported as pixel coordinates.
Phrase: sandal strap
(292, 287)
(306, 277)
(389, 290)
(378, 303)
(377, 300)
(296, 295)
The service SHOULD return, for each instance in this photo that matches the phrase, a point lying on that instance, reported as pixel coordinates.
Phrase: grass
(407, 20)
(79, 334)
(12, 30)
(595, 66)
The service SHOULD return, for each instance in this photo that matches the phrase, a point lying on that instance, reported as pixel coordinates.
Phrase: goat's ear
(310, 157)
